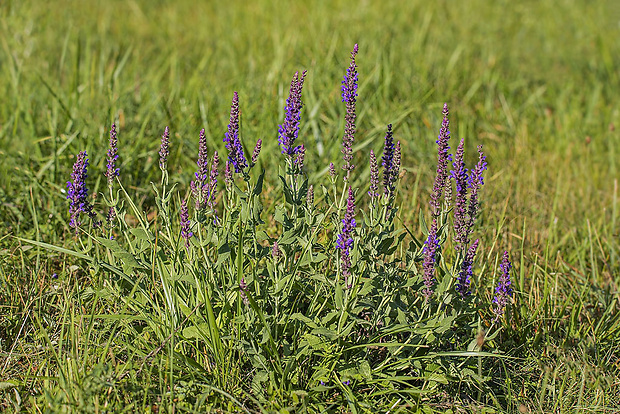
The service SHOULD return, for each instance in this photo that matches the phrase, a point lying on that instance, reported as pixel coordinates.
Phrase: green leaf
(258, 188)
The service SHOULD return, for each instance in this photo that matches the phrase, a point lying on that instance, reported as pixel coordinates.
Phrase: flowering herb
(200, 185)
(387, 161)
(332, 170)
(289, 130)
(77, 192)
(228, 175)
(186, 232)
(310, 197)
(344, 242)
(299, 158)
(503, 291)
(164, 149)
(461, 225)
(256, 151)
(466, 272)
(374, 177)
(112, 171)
(349, 97)
(442, 162)
(276, 253)
(236, 156)
(476, 180)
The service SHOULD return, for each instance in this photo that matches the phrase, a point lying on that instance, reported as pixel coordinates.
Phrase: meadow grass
(533, 82)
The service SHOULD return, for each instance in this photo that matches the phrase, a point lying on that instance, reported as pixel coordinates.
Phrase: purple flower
(228, 175)
(299, 158)
(332, 170)
(200, 184)
(275, 251)
(461, 222)
(55, 276)
(256, 152)
(310, 197)
(431, 246)
(476, 180)
(346, 382)
(374, 177)
(289, 130)
(112, 171)
(466, 272)
(387, 161)
(344, 242)
(349, 97)
(164, 149)
(236, 156)
(77, 192)
(442, 162)
(243, 288)
(503, 291)
(186, 233)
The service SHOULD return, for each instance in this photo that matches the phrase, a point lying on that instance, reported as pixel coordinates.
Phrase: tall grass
(534, 83)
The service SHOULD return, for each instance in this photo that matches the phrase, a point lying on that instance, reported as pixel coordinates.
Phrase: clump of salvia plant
(325, 298)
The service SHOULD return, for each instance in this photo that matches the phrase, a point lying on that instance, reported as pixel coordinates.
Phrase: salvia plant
(336, 301)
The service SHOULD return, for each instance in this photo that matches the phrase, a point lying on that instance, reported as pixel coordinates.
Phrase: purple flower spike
(387, 161)
(344, 242)
(374, 177)
(289, 130)
(275, 251)
(186, 233)
(164, 149)
(503, 291)
(299, 158)
(77, 192)
(332, 170)
(476, 180)
(236, 156)
(200, 184)
(466, 272)
(461, 222)
(256, 152)
(442, 162)
(349, 97)
(430, 257)
(310, 197)
(112, 171)
(228, 175)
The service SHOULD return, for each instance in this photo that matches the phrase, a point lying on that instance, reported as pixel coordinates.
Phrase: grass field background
(536, 83)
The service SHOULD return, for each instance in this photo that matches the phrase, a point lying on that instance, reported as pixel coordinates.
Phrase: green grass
(536, 83)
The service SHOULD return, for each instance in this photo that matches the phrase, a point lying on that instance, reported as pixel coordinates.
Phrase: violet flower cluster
(503, 291)
(200, 185)
(164, 149)
(236, 156)
(465, 212)
(431, 245)
(373, 191)
(344, 242)
(289, 130)
(112, 171)
(349, 97)
(390, 163)
(186, 232)
(442, 162)
(77, 192)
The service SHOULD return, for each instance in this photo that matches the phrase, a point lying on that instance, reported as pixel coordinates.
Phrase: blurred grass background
(536, 83)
